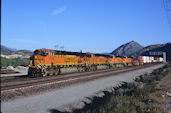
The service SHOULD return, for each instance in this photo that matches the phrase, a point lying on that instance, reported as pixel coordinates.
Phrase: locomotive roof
(73, 53)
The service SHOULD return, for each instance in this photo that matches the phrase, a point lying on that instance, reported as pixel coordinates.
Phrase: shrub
(14, 62)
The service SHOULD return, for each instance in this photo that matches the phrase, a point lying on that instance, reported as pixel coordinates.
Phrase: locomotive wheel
(82, 69)
(90, 68)
(79, 69)
(56, 71)
(95, 68)
(86, 68)
(46, 73)
(51, 71)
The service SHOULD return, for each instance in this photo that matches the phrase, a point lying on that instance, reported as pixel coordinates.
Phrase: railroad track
(18, 83)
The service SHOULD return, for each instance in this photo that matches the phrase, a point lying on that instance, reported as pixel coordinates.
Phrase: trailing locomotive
(47, 62)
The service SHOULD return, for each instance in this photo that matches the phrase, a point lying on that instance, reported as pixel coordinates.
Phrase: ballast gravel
(70, 97)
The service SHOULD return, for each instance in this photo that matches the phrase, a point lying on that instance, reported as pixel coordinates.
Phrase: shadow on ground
(56, 111)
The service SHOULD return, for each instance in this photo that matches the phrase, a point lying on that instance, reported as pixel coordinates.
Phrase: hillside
(5, 51)
(24, 52)
(147, 49)
(127, 49)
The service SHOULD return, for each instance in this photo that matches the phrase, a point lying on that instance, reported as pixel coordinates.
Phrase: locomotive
(45, 62)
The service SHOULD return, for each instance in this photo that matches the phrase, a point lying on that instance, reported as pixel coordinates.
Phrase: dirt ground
(164, 93)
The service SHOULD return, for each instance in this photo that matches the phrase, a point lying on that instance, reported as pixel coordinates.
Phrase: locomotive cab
(41, 52)
(37, 58)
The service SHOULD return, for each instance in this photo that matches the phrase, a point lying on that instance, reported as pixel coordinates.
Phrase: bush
(14, 62)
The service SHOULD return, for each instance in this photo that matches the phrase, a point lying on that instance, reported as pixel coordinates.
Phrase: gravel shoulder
(21, 72)
(63, 99)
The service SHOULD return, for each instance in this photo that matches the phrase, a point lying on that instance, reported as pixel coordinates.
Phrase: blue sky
(88, 25)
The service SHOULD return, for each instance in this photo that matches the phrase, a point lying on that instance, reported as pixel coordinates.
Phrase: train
(47, 62)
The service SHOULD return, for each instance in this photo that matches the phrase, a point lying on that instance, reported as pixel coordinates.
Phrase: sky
(97, 26)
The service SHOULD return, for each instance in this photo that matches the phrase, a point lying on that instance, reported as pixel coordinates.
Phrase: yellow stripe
(66, 55)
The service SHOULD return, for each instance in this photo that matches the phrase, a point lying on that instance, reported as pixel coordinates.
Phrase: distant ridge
(6, 51)
(127, 49)
(9, 51)
(147, 49)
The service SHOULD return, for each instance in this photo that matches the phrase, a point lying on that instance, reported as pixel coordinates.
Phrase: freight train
(47, 62)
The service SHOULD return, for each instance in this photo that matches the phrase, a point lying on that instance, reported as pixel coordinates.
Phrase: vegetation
(142, 96)
(14, 62)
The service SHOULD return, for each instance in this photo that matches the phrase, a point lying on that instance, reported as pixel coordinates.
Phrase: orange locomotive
(46, 62)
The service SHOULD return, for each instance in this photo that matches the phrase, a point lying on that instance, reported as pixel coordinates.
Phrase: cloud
(59, 11)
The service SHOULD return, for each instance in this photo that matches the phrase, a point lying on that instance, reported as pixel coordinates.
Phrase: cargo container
(161, 59)
(147, 59)
(136, 62)
(155, 59)
(140, 60)
(152, 59)
(144, 59)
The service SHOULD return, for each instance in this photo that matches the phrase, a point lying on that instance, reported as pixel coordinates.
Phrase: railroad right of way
(11, 89)
(66, 99)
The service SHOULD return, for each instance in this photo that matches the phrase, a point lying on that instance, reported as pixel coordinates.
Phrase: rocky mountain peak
(127, 49)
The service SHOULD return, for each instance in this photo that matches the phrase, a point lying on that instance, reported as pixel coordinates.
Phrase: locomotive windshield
(41, 53)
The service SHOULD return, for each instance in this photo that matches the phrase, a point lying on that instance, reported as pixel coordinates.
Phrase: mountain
(147, 49)
(24, 52)
(127, 49)
(8, 51)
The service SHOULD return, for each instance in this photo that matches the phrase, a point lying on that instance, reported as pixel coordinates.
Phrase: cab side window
(52, 54)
